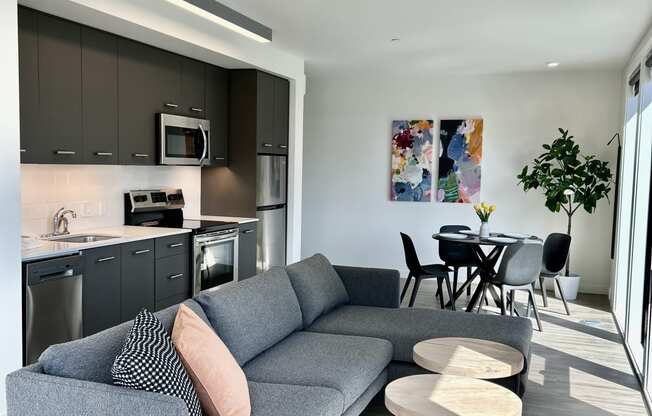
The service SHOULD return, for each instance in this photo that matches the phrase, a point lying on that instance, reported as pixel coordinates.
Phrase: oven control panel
(156, 199)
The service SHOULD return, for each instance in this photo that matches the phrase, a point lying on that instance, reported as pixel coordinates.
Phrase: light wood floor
(579, 365)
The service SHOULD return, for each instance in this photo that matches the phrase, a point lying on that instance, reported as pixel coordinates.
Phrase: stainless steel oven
(215, 257)
(182, 140)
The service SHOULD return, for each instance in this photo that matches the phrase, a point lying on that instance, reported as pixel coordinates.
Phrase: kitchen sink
(88, 238)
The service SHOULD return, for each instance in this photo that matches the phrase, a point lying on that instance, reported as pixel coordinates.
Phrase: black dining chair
(420, 272)
(456, 255)
(555, 253)
(519, 268)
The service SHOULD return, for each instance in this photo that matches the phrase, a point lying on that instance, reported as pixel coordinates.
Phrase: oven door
(215, 260)
(183, 140)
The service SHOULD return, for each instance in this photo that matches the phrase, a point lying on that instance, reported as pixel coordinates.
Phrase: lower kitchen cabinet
(137, 278)
(101, 289)
(247, 251)
(172, 277)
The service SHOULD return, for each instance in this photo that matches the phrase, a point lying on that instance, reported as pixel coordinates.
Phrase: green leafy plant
(568, 179)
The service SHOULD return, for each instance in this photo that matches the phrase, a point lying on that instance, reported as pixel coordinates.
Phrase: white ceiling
(470, 36)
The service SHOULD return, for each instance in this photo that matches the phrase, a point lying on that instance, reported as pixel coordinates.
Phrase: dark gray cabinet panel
(265, 113)
(100, 96)
(31, 149)
(172, 277)
(60, 96)
(137, 278)
(281, 115)
(149, 82)
(193, 88)
(217, 111)
(172, 245)
(247, 251)
(101, 290)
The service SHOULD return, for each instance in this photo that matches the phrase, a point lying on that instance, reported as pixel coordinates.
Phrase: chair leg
(512, 301)
(417, 282)
(451, 294)
(544, 294)
(405, 288)
(534, 307)
(442, 305)
(503, 298)
(456, 271)
(468, 276)
(483, 297)
(563, 297)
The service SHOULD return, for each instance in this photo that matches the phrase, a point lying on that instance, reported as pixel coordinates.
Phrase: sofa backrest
(91, 358)
(252, 315)
(318, 287)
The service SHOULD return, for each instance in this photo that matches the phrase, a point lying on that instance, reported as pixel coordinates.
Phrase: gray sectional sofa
(313, 339)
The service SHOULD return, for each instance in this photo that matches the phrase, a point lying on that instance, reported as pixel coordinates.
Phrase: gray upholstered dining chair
(519, 268)
(555, 253)
(456, 255)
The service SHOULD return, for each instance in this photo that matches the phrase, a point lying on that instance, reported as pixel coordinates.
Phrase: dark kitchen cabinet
(60, 92)
(281, 115)
(137, 278)
(100, 96)
(101, 289)
(149, 82)
(193, 88)
(217, 111)
(265, 113)
(30, 147)
(247, 251)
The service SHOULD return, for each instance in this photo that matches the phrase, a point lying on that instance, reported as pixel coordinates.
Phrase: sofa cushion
(318, 286)
(269, 399)
(405, 327)
(348, 364)
(252, 315)
(91, 358)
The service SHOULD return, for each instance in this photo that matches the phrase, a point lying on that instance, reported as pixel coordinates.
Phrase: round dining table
(486, 263)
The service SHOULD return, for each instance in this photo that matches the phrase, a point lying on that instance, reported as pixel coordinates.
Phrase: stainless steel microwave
(182, 140)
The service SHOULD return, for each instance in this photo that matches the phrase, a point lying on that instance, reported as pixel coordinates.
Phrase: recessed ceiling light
(552, 64)
(395, 40)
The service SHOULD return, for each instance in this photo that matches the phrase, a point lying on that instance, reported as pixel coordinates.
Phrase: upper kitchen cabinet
(100, 96)
(217, 111)
(149, 82)
(281, 115)
(193, 88)
(60, 90)
(265, 113)
(30, 149)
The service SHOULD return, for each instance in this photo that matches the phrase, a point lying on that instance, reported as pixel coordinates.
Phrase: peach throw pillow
(220, 382)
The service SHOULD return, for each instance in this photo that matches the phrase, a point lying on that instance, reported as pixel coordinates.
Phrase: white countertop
(125, 234)
(239, 220)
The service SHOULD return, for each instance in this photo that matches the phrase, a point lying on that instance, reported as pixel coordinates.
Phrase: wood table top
(468, 357)
(443, 395)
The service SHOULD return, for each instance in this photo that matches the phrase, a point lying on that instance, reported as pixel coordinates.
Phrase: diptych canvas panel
(412, 160)
(460, 161)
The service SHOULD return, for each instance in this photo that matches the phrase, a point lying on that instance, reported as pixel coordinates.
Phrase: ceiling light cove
(552, 64)
(226, 17)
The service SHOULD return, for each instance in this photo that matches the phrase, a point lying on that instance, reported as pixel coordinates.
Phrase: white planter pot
(569, 284)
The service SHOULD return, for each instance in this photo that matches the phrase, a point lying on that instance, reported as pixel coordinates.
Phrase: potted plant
(569, 181)
(484, 211)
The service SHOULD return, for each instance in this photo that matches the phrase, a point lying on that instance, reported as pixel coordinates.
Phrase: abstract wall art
(460, 161)
(412, 160)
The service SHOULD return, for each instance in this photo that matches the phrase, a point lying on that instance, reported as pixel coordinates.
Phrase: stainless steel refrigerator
(271, 199)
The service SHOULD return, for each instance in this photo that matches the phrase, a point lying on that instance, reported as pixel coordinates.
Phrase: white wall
(10, 279)
(346, 208)
(96, 192)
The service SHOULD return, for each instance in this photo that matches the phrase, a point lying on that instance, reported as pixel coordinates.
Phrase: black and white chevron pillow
(148, 361)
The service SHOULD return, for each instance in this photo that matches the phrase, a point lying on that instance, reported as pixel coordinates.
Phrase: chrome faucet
(60, 221)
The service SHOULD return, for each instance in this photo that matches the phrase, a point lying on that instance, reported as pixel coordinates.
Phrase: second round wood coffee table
(441, 395)
(468, 357)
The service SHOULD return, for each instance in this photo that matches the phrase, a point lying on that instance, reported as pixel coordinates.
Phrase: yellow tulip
(476, 207)
(485, 206)
(492, 208)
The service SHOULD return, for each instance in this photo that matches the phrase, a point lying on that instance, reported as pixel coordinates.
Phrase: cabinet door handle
(103, 259)
(283, 146)
(65, 152)
(220, 158)
(247, 231)
(142, 251)
(23, 150)
(103, 154)
(267, 145)
(171, 105)
(175, 276)
(175, 245)
(143, 155)
(196, 109)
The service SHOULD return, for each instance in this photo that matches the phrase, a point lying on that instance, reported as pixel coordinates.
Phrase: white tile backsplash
(95, 192)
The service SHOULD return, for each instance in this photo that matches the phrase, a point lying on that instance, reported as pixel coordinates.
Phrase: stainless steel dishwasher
(52, 304)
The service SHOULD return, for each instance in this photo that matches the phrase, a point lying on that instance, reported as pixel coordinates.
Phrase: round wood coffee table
(442, 395)
(468, 357)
